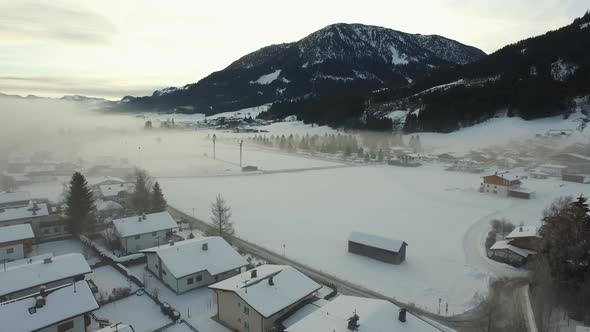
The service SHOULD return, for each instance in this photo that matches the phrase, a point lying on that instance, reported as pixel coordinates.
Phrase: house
(194, 263)
(46, 223)
(500, 183)
(58, 309)
(117, 192)
(526, 237)
(14, 199)
(17, 280)
(141, 232)
(536, 174)
(96, 183)
(377, 247)
(256, 300)
(503, 251)
(352, 313)
(15, 242)
(552, 169)
(578, 178)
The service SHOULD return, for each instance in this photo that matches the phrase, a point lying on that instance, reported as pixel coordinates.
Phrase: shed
(377, 247)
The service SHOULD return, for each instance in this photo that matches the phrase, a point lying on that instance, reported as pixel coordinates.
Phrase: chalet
(256, 300)
(14, 199)
(17, 280)
(552, 169)
(194, 263)
(503, 251)
(46, 222)
(377, 247)
(146, 231)
(526, 237)
(57, 309)
(500, 183)
(15, 242)
(352, 313)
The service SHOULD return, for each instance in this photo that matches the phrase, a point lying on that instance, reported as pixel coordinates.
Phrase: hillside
(533, 78)
(340, 59)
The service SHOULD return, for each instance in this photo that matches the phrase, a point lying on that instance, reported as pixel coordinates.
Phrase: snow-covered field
(313, 213)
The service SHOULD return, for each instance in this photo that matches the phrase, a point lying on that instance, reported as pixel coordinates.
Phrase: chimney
(402, 315)
(520, 229)
(43, 290)
(205, 246)
(47, 260)
(39, 301)
(271, 282)
(253, 274)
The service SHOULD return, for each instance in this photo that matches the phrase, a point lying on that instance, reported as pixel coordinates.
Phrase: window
(239, 304)
(67, 326)
(137, 237)
(190, 281)
(10, 251)
(246, 310)
(199, 278)
(246, 325)
(154, 233)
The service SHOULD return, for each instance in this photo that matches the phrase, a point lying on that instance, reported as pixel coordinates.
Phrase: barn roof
(524, 231)
(505, 244)
(377, 241)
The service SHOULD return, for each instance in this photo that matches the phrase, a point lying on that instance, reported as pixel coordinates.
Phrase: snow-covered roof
(289, 287)
(117, 328)
(506, 176)
(300, 314)
(11, 197)
(505, 244)
(188, 257)
(553, 166)
(374, 315)
(579, 156)
(110, 190)
(24, 212)
(136, 225)
(104, 180)
(107, 205)
(25, 276)
(523, 190)
(16, 233)
(376, 241)
(61, 303)
(524, 231)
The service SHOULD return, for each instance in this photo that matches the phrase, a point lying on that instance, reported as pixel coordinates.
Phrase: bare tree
(221, 215)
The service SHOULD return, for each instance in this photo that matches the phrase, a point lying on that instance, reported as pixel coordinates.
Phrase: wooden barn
(377, 247)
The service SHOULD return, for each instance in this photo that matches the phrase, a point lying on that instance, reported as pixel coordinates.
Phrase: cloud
(43, 20)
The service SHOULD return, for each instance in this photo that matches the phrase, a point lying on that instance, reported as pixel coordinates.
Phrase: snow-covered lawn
(310, 215)
(64, 247)
(107, 278)
(141, 312)
(196, 306)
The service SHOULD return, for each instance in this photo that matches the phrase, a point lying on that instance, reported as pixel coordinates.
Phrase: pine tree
(140, 200)
(80, 209)
(221, 215)
(158, 203)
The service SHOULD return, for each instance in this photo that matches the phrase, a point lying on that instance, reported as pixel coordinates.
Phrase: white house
(352, 313)
(117, 192)
(14, 199)
(45, 224)
(142, 232)
(194, 263)
(58, 309)
(17, 280)
(15, 242)
(256, 300)
(552, 169)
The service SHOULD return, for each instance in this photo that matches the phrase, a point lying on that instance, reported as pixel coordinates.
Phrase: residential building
(352, 313)
(552, 169)
(257, 300)
(17, 280)
(58, 309)
(505, 184)
(15, 242)
(117, 192)
(377, 247)
(146, 231)
(526, 237)
(46, 222)
(194, 263)
(14, 199)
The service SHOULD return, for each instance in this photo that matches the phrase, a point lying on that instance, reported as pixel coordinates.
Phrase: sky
(113, 48)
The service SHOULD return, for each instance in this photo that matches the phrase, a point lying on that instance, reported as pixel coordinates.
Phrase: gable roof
(374, 315)
(107, 205)
(505, 176)
(376, 241)
(16, 233)
(524, 231)
(289, 287)
(505, 244)
(188, 257)
(36, 273)
(153, 222)
(24, 212)
(61, 303)
(11, 197)
(109, 190)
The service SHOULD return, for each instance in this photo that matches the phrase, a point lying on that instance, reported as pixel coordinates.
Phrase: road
(463, 322)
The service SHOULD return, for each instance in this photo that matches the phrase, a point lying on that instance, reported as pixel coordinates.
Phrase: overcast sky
(112, 48)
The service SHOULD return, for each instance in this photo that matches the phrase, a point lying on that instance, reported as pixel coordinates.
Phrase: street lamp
(214, 137)
(241, 142)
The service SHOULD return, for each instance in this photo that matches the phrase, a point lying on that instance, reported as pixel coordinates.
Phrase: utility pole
(214, 137)
(241, 142)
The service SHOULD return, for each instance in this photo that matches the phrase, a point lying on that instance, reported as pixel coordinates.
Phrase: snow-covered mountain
(340, 58)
